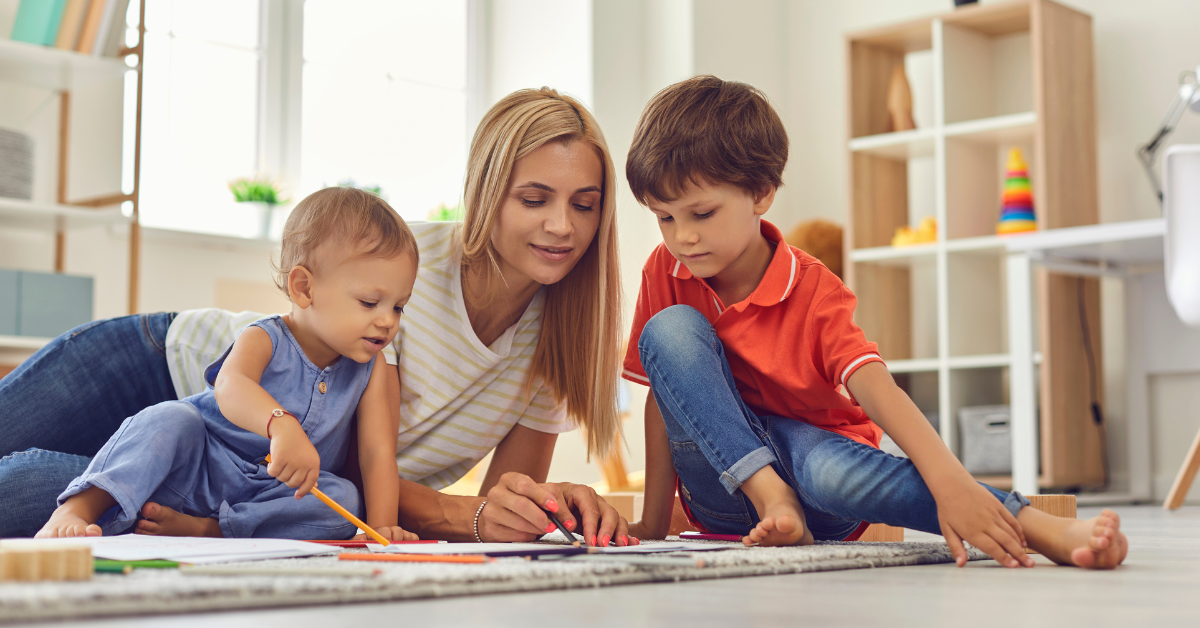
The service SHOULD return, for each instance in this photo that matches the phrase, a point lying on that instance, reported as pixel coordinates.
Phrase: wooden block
(34, 561)
(627, 503)
(882, 533)
(1057, 505)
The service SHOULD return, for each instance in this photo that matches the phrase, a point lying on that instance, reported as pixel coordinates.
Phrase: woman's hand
(293, 461)
(514, 512)
(968, 512)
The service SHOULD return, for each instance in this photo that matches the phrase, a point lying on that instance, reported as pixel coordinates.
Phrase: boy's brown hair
(702, 130)
(348, 216)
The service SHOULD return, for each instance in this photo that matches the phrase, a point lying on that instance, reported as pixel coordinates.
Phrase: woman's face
(550, 213)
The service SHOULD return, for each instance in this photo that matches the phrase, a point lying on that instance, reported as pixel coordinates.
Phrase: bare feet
(159, 520)
(1096, 543)
(781, 518)
(78, 515)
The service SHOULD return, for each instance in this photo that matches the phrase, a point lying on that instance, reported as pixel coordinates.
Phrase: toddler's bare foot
(159, 520)
(1095, 543)
(78, 515)
(64, 522)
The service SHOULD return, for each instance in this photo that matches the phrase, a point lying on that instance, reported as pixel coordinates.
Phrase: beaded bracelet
(477, 512)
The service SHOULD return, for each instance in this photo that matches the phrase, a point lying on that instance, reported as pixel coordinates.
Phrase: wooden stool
(31, 561)
(1187, 473)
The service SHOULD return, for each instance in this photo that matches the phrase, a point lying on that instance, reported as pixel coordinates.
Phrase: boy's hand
(294, 461)
(968, 512)
(391, 533)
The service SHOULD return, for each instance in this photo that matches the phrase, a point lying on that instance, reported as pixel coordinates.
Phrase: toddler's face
(357, 302)
(709, 226)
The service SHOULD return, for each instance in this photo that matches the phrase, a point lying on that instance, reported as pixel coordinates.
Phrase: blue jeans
(717, 443)
(62, 404)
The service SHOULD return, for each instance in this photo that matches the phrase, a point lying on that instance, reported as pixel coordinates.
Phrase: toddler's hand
(293, 461)
(391, 533)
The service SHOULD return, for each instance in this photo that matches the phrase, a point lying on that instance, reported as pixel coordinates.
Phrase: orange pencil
(419, 558)
(346, 513)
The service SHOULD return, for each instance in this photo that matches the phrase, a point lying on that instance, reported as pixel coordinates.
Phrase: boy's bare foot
(781, 518)
(1095, 543)
(159, 520)
(78, 515)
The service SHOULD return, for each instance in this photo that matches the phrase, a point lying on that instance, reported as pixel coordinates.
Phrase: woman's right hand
(514, 512)
(293, 460)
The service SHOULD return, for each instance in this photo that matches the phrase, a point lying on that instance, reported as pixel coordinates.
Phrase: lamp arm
(1189, 90)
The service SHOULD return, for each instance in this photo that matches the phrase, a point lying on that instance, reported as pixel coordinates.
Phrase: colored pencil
(204, 570)
(562, 528)
(101, 565)
(636, 559)
(346, 514)
(706, 536)
(363, 544)
(551, 550)
(418, 558)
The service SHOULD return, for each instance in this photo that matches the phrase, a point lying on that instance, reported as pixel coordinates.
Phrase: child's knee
(175, 421)
(677, 327)
(343, 492)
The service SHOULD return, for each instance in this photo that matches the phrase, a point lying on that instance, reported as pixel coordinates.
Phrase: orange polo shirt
(791, 345)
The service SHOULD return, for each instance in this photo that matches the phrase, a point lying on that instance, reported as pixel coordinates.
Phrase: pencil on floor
(418, 558)
(101, 565)
(346, 514)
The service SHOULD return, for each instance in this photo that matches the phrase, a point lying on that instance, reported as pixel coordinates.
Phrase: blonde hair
(348, 216)
(579, 350)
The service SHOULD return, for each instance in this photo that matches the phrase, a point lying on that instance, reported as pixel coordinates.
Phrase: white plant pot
(263, 213)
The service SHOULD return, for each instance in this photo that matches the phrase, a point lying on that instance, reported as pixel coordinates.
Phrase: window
(383, 101)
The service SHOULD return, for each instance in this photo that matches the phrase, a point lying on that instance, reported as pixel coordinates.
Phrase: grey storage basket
(986, 439)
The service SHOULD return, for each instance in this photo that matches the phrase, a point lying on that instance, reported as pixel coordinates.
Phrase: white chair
(1181, 250)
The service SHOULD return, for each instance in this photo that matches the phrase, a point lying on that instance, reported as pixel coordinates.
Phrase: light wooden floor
(1158, 586)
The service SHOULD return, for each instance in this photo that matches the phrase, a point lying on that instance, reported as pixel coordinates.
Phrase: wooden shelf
(896, 255)
(55, 69)
(913, 366)
(24, 343)
(29, 215)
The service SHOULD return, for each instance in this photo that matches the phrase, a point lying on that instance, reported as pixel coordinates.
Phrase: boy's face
(357, 302)
(711, 225)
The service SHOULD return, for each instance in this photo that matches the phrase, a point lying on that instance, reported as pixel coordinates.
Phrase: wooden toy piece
(1057, 505)
(899, 101)
(40, 561)
(628, 503)
(882, 533)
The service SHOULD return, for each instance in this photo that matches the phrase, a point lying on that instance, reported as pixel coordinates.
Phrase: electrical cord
(1093, 387)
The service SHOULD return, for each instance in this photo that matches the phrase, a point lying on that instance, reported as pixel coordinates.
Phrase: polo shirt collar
(776, 283)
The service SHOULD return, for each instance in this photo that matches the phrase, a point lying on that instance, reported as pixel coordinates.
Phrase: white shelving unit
(939, 310)
(66, 74)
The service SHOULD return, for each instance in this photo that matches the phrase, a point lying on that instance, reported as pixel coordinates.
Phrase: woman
(512, 333)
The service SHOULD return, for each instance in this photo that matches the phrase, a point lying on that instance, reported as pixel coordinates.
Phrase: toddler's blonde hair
(347, 216)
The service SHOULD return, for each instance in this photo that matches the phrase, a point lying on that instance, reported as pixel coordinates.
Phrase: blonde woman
(511, 337)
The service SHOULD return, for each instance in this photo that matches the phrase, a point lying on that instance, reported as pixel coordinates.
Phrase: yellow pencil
(346, 513)
(418, 558)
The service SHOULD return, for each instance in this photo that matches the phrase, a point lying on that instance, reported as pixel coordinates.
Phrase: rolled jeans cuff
(1015, 502)
(733, 477)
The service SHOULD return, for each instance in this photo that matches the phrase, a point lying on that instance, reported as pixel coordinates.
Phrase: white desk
(1156, 342)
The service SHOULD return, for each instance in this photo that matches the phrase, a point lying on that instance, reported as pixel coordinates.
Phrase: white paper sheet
(484, 548)
(195, 550)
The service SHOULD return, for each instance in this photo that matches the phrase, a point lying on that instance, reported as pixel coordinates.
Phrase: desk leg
(1137, 423)
(1022, 385)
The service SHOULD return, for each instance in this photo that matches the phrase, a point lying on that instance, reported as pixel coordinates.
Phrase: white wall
(536, 43)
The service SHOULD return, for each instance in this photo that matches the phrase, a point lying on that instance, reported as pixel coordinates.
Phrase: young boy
(762, 384)
(289, 386)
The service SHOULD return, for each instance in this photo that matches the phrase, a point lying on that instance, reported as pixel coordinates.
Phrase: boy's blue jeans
(717, 443)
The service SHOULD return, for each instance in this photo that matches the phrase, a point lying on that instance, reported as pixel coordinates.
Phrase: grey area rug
(155, 591)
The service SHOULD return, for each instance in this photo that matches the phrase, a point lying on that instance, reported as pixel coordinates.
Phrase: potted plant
(263, 194)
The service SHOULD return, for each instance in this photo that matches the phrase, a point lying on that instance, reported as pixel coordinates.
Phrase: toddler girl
(289, 386)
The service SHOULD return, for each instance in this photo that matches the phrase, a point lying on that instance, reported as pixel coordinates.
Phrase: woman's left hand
(514, 512)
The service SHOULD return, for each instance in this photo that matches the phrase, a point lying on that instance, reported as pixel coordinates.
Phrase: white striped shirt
(459, 398)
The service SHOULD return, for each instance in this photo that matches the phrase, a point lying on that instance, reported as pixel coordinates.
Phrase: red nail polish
(549, 528)
(570, 525)
(604, 541)
(551, 505)
(624, 540)
(593, 543)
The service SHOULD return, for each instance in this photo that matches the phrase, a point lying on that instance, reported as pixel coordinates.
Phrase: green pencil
(126, 566)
